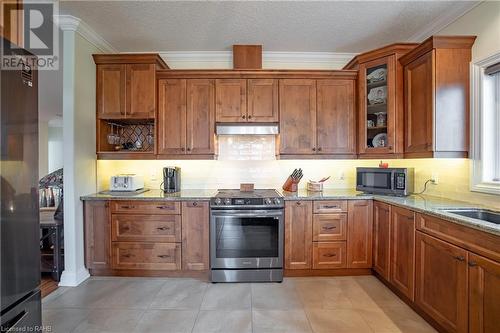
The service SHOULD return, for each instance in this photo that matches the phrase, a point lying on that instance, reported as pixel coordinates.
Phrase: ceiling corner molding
(443, 21)
(72, 23)
(224, 59)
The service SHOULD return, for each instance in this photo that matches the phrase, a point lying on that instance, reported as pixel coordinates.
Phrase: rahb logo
(30, 27)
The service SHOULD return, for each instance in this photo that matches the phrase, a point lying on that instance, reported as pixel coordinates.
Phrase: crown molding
(223, 59)
(432, 28)
(72, 23)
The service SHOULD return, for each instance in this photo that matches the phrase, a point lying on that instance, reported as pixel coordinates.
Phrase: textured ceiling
(298, 26)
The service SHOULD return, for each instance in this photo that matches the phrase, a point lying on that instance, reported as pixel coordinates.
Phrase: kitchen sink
(476, 213)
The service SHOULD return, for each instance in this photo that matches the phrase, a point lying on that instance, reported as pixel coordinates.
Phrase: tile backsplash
(247, 147)
(453, 174)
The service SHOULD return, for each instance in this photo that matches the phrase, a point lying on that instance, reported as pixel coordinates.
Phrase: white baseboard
(73, 279)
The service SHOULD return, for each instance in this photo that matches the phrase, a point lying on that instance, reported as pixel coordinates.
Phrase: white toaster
(127, 183)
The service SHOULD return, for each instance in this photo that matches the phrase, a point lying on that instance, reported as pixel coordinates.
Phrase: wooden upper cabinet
(262, 100)
(200, 118)
(436, 83)
(403, 251)
(171, 117)
(297, 116)
(441, 282)
(141, 91)
(381, 238)
(298, 234)
(97, 234)
(126, 85)
(380, 97)
(484, 294)
(111, 84)
(231, 100)
(359, 234)
(12, 21)
(335, 117)
(195, 235)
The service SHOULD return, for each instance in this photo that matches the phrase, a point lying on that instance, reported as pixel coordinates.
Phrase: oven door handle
(255, 213)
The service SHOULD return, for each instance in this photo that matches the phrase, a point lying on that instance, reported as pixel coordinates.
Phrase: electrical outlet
(341, 175)
(152, 176)
(435, 178)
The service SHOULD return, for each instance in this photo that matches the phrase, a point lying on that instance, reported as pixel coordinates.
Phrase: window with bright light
(486, 125)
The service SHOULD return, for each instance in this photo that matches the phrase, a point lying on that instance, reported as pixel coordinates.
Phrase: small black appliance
(171, 179)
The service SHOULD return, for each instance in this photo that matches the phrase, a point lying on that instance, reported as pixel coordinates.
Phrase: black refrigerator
(19, 228)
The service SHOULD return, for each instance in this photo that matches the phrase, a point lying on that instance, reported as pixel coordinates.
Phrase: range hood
(247, 129)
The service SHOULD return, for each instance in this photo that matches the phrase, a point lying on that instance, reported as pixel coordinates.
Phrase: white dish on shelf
(377, 95)
(380, 140)
(377, 75)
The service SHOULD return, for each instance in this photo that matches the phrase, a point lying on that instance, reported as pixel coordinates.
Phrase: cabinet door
(171, 117)
(262, 100)
(231, 100)
(335, 120)
(359, 234)
(484, 294)
(195, 229)
(327, 255)
(329, 227)
(377, 107)
(298, 234)
(111, 91)
(200, 116)
(141, 91)
(12, 21)
(381, 238)
(441, 282)
(419, 103)
(297, 116)
(146, 256)
(97, 234)
(403, 250)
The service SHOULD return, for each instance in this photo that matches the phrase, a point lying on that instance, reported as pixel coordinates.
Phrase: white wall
(79, 147)
(55, 148)
(43, 148)
(482, 21)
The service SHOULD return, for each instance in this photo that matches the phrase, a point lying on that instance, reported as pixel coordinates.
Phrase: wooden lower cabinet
(359, 234)
(329, 227)
(97, 234)
(327, 255)
(441, 282)
(157, 256)
(484, 295)
(158, 228)
(381, 238)
(402, 256)
(195, 235)
(298, 234)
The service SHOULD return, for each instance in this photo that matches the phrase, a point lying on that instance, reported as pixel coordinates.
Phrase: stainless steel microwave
(390, 181)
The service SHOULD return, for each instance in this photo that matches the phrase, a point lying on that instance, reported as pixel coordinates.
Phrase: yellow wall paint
(453, 174)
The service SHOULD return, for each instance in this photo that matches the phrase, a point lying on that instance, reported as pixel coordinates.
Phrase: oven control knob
(227, 201)
(277, 201)
(268, 201)
(217, 201)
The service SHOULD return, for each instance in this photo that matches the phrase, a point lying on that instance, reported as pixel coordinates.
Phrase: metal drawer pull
(327, 206)
(329, 255)
(127, 207)
(164, 207)
(459, 258)
(163, 228)
(195, 204)
(298, 203)
(163, 256)
(128, 255)
(329, 228)
(472, 264)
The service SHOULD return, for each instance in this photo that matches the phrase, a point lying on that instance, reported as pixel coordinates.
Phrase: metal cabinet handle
(127, 207)
(163, 256)
(319, 149)
(182, 149)
(314, 149)
(195, 204)
(298, 203)
(459, 258)
(243, 117)
(164, 207)
(330, 206)
(188, 149)
(163, 228)
(472, 264)
(127, 255)
(249, 117)
(329, 227)
(330, 255)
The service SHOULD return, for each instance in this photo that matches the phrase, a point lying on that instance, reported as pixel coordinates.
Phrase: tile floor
(331, 305)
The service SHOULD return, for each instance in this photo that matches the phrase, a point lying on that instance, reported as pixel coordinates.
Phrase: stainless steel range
(246, 236)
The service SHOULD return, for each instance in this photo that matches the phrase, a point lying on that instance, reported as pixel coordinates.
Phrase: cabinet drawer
(145, 207)
(160, 256)
(328, 255)
(330, 206)
(154, 228)
(329, 227)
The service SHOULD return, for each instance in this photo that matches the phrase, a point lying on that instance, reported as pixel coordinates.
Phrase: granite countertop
(419, 203)
(201, 194)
